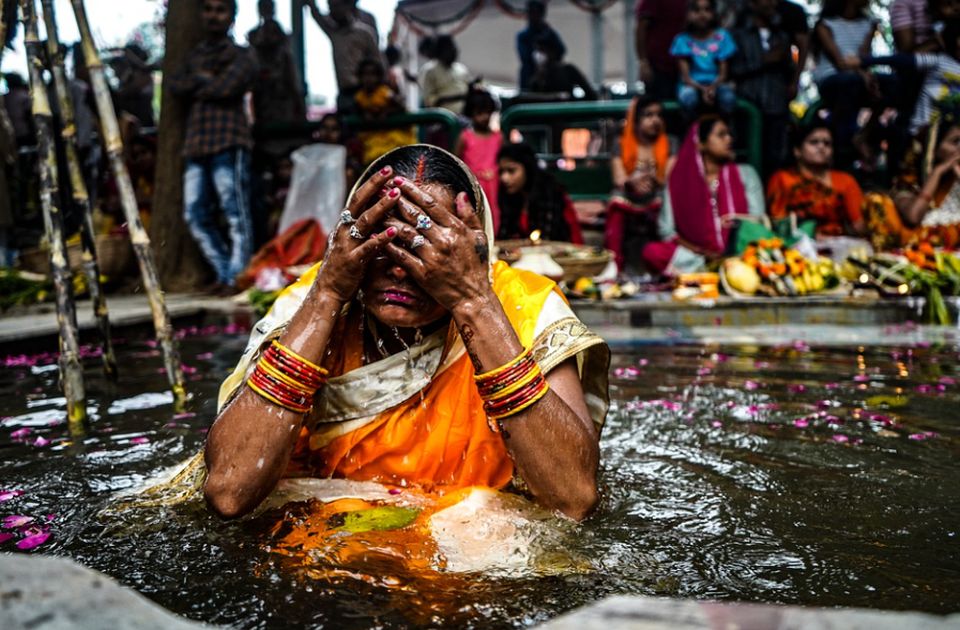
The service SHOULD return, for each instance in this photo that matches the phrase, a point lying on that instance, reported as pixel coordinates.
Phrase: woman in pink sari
(705, 191)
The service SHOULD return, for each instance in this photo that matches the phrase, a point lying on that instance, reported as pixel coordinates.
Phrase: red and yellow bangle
(286, 379)
(511, 388)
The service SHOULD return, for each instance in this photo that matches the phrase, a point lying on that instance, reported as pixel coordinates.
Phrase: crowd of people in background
(877, 157)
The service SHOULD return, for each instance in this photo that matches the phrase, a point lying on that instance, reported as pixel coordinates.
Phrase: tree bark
(179, 262)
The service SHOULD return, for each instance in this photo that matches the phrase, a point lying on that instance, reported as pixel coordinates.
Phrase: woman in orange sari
(925, 206)
(811, 190)
(639, 169)
(401, 329)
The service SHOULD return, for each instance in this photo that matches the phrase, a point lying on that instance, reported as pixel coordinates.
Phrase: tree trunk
(179, 262)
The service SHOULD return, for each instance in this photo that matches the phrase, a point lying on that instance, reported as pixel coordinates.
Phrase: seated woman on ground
(705, 193)
(925, 205)
(409, 359)
(811, 190)
(531, 199)
(640, 166)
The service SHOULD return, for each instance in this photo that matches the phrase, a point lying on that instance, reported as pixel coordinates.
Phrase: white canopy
(599, 42)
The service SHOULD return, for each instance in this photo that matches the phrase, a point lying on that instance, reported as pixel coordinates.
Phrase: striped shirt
(940, 72)
(849, 36)
(912, 14)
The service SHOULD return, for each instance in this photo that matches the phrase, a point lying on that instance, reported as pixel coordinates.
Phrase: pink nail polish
(385, 170)
(398, 181)
(394, 193)
(391, 231)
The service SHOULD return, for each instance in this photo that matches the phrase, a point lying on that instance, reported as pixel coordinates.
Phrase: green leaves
(376, 519)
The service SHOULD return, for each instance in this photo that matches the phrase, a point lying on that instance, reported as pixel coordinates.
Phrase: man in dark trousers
(215, 77)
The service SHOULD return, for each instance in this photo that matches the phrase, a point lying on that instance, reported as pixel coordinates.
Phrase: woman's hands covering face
(354, 242)
(446, 253)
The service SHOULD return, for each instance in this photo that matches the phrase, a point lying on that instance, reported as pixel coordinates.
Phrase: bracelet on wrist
(286, 379)
(511, 389)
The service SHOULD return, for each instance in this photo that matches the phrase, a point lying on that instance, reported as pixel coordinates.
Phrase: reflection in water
(823, 476)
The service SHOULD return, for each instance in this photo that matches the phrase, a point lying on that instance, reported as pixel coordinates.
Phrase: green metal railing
(422, 119)
(591, 178)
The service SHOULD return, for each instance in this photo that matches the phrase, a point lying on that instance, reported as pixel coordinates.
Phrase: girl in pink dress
(479, 145)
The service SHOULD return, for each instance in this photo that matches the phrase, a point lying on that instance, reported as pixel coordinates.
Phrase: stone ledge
(653, 613)
(51, 593)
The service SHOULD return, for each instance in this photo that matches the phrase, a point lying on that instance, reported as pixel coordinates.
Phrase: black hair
(834, 8)
(428, 47)
(427, 163)
(392, 53)
(14, 80)
(231, 4)
(550, 45)
(543, 196)
(537, 5)
(640, 103)
(950, 37)
(478, 100)
(443, 44)
(368, 63)
(714, 23)
(800, 133)
(705, 126)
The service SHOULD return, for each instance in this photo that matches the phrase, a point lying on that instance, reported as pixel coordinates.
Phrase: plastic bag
(318, 186)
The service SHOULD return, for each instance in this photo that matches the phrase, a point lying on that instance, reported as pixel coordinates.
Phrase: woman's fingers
(374, 216)
(411, 264)
(368, 190)
(366, 250)
(466, 212)
(424, 200)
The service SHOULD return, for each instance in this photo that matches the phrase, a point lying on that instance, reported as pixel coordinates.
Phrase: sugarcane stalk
(71, 370)
(81, 196)
(138, 235)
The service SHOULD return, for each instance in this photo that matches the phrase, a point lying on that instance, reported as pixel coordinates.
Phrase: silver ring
(418, 241)
(424, 222)
(355, 233)
(346, 217)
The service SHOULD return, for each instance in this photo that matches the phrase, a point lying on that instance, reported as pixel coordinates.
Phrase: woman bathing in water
(409, 358)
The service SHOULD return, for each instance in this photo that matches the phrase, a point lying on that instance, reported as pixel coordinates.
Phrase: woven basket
(114, 253)
(37, 259)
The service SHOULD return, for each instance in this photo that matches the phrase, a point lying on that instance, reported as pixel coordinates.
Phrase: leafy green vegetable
(376, 519)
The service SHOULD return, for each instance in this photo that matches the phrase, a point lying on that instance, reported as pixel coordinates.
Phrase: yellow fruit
(582, 285)
(741, 276)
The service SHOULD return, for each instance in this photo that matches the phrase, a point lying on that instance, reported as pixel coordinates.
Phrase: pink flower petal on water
(721, 358)
(751, 385)
(704, 371)
(6, 495)
(5, 536)
(947, 380)
(16, 520)
(923, 388)
(643, 362)
(716, 424)
(800, 346)
(761, 365)
(925, 435)
(21, 433)
(140, 440)
(831, 386)
(204, 356)
(840, 438)
(861, 378)
(395, 491)
(796, 388)
(801, 423)
(41, 441)
(30, 542)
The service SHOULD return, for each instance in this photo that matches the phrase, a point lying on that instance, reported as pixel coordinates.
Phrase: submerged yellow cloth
(438, 437)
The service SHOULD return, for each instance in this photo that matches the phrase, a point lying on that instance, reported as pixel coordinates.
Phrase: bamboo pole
(141, 242)
(81, 197)
(71, 370)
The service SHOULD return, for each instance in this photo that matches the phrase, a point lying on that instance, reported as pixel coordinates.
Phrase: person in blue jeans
(215, 77)
(703, 51)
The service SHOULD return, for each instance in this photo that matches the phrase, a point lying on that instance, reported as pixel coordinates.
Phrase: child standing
(702, 51)
(375, 100)
(478, 147)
